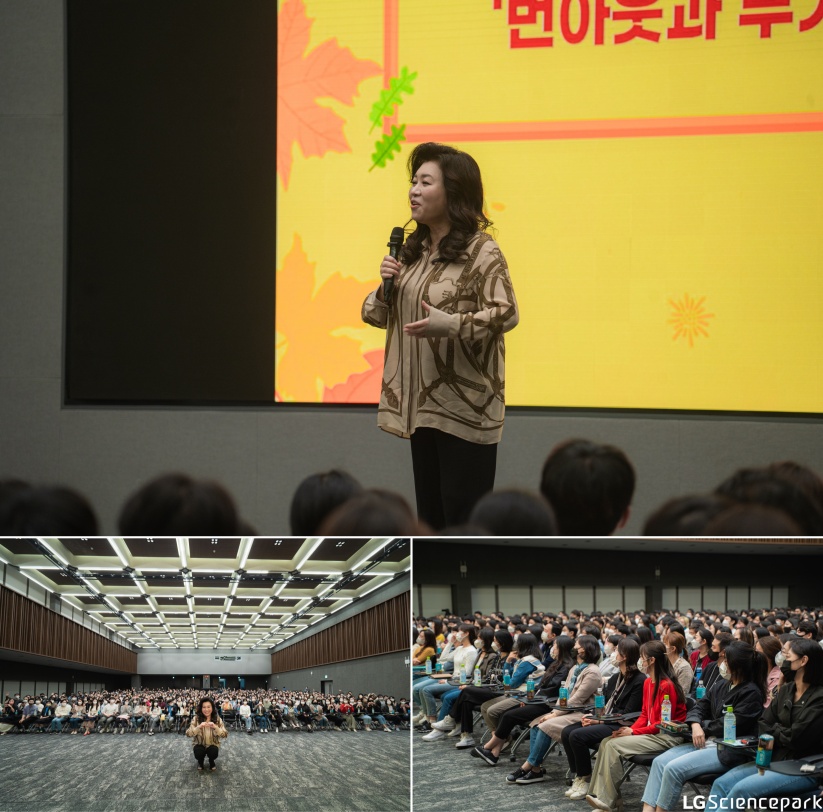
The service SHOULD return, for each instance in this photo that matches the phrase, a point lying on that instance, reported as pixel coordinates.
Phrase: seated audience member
(178, 505)
(795, 719)
(62, 712)
(701, 655)
(317, 496)
(643, 736)
(28, 510)
(514, 513)
(153, 718)
(675, 643)
(589, 486)
(745, 692)
(425, 647)
(90, 717)
(487, 658)
(769, 487)
(582, 684)
(108, 716)
(685, 515)
(473, 696)
(372, 513)
(461, 652)
(623, 695)
(608, 665)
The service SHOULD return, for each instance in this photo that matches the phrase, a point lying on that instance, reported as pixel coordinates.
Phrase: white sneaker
(575, 786)
(581, 792)
(444, 724)
(454, 732)
(434, 736)
(466, 741)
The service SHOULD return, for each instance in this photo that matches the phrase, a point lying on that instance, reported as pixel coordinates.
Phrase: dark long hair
(464, 202)
(564, 657)
(747, 665)
(662, 668)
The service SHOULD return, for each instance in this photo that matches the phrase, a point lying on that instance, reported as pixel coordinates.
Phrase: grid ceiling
(208, 592)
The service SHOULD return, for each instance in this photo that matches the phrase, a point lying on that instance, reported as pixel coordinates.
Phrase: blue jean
(448, 699)
(57, 724)
(672, 768)
(247, 720)
(745, 782)
(539, 744)
(429, 695)
(262, 722)
(418, 686)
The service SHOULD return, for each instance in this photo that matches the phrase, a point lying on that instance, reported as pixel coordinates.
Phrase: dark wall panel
(379, 630)
(29, 627)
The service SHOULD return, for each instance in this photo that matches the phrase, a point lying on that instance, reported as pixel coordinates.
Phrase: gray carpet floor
(446, 779)
(297, 771)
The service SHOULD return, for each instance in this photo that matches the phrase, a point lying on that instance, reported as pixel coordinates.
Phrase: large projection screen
(654, 171)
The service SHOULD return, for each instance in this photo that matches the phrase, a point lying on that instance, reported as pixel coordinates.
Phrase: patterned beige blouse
(207, 735)
(453, 379)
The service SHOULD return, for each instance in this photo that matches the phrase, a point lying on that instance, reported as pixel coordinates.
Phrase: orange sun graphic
(689, 318)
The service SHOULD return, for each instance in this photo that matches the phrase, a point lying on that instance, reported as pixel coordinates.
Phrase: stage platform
(294, 771)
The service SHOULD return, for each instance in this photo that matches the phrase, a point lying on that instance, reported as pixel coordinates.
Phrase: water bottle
(428, 665)
(529, 688)
(599, 702)
(507, 679)
(700, 691)
(477, 678)
(463, 678)
(764, 752)
(729, 725)
(666, 709)
(698, 674)
(564, 697)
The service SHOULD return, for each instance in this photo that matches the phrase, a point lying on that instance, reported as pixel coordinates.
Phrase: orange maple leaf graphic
(306, 319)
(327, 71)
(361, 387)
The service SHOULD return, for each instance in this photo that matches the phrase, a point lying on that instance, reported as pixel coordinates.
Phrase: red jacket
(651, 712)
(693, 657)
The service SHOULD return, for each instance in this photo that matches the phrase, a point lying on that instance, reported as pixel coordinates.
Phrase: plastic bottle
(764, 752)
(463, 677)
(563, 701)
(529, 688)
(698, 674)
(729, 725)
(507, 679)
(700, 691)
(666, 709)
(478, 679)
(428, 665)
(599, 702)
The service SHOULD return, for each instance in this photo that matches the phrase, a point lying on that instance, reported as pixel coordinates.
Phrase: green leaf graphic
(387, 146)
(391, 96)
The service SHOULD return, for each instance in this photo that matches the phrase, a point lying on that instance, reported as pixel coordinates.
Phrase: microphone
(394, 244)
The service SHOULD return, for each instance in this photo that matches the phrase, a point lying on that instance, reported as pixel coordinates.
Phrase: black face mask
(786, 670)
(713, 655)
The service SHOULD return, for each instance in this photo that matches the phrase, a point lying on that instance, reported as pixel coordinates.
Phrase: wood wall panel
(379, 630)
(29, 627)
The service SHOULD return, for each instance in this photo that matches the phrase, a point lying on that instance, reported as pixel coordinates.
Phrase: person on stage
(207, 730)
(451, 301)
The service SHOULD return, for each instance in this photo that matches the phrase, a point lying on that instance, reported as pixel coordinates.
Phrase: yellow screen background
(674, 271)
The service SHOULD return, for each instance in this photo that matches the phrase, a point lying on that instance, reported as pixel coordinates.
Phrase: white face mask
(609, 649)
(460, 637)
(478, 643)
(724, 670)
(421, 641)
(545, 637)
(779, 658)
(495, 646)
(511, 629)
(613, 658)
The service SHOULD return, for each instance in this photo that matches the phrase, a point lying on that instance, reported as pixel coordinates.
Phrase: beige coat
(454, 378)
(207, 735)
(589, 680)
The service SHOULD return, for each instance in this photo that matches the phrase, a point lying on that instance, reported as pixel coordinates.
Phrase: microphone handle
(388, 284)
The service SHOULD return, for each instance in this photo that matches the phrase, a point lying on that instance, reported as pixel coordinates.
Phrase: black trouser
(519, 716)
(450, 475)
(200, 752)
(470, 698)
(578, 740)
